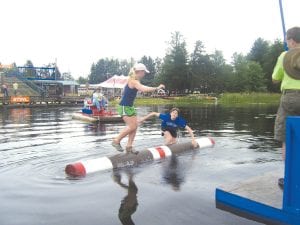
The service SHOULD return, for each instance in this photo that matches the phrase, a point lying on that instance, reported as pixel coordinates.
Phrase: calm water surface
(36, 145)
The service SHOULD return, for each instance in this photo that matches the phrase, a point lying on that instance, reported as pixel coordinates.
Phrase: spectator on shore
(15, 87)
(5, 90)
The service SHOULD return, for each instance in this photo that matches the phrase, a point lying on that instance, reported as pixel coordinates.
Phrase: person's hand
(195, 143)
(161, 86)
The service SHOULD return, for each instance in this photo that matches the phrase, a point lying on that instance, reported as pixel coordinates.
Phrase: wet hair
(293, 33)
(175, 109)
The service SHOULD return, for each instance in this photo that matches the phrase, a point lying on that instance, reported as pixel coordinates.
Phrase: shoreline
(226, 99)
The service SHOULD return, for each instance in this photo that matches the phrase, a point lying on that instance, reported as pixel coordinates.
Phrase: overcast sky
(78, 33)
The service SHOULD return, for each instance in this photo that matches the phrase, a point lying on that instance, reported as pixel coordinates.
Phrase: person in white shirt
(99, 99)
(15, 87)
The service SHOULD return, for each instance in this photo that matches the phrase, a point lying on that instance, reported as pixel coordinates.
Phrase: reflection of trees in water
(129, 203)
(253, 123)
(257, 119)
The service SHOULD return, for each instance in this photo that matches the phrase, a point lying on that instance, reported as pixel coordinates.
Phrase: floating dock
(260, 199)
(263, 189)
(90, 118)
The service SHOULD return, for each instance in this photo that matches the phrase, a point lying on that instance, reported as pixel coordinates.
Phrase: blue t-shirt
(171, 124)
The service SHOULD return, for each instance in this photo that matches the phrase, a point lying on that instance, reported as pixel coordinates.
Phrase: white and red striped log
(124, 159)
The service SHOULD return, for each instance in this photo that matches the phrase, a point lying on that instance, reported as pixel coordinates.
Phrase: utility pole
(283, 25)
(55, 71)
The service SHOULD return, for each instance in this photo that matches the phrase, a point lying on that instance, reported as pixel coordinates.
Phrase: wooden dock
(263, 188)
(38, 101)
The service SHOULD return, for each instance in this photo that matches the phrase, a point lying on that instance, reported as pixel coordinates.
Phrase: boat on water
(90, 113)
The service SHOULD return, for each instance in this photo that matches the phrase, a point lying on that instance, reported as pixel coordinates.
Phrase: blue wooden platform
(254, 199)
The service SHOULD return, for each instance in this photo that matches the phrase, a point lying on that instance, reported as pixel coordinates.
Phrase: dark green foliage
(247, 75)
(200, 71)
(30, 72)
(266, 54)
(82, 80)
(106, 68)
(209, 73)
(175, 69)
(151, 66)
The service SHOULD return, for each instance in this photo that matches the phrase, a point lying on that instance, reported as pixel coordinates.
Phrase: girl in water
(126, 108)
(171, 122)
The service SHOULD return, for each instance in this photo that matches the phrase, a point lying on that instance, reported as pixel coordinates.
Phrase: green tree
(258, 51)
(248, 75)
(151, 66)
(82, 80)
(13, 70)
(221, 72)
(56, 74)
(92, 78)
(201, 69)
(275, 49)
(158, 67)
(174, 70)
(124, 67)
(101, 71)
(106, 68)
(266, 55)
(30, 71)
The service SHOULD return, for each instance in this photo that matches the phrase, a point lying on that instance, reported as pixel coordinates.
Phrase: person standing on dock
(5, 90)
(287, 71)
(171, 122)
(15, 87)
(126, 108)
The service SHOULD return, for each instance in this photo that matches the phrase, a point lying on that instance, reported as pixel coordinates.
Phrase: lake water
(37, 144)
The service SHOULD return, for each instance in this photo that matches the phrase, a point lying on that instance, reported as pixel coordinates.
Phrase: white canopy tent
(115, 85)
(115, 81)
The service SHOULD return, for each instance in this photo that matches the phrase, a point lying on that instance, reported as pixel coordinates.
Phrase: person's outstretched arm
(142, 119)
(194, 142)
(136, 84)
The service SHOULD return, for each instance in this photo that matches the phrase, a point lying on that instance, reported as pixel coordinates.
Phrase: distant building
(47, 80)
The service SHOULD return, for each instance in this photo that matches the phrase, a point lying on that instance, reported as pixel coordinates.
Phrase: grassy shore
(223, 99)
(249, 98)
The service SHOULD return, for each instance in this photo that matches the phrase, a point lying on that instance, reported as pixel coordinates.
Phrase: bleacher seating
(23, 88)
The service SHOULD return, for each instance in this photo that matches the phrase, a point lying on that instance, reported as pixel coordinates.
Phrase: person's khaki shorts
(289, 106)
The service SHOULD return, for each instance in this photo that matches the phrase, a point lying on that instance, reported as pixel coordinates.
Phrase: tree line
(200, 71)
(107, 67)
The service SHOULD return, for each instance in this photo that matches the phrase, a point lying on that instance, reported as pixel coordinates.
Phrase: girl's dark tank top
(129, 96)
